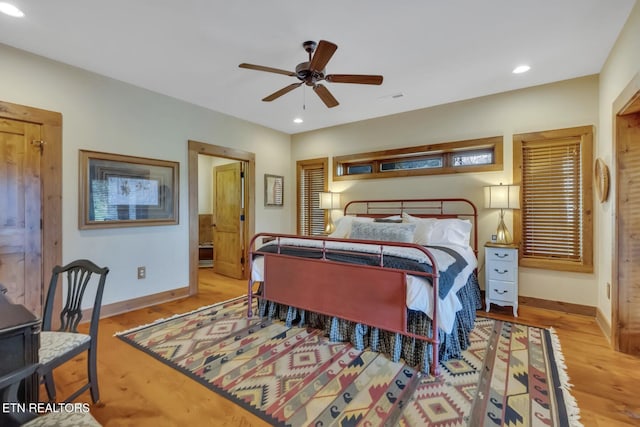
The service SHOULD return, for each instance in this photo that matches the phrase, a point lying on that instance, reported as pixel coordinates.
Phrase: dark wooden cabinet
(19, 344)
(205, 255)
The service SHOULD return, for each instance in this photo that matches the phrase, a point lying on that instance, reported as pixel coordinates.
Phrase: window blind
(311, 182)
(552, 202)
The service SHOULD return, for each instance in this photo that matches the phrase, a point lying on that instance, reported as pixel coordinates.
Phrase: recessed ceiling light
(521, 69)
(11, 10)
(298, 120)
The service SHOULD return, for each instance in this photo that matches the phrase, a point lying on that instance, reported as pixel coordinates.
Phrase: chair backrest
(78, 274)
(17, 413)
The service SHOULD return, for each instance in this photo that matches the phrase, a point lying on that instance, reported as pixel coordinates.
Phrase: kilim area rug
(511, 374)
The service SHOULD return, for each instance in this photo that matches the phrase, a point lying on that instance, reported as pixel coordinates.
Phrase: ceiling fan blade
(362, 79)
(267, 69)
(281, 92)
(326, 96)
(322, 55)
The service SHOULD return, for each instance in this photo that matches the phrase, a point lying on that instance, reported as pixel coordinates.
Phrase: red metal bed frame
(330, 287)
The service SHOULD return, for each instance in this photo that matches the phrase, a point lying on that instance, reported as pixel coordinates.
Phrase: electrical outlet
(494, 237)
(142, 272)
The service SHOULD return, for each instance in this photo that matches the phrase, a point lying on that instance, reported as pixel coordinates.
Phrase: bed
(375, 279)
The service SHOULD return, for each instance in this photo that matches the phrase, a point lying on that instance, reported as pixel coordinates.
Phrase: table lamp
(502, 197)
(329, 201)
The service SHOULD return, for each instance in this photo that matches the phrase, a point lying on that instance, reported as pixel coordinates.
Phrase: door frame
(626, 103)
(195, 148)
(51, 184)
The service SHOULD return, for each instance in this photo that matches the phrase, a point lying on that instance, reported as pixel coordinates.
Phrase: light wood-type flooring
(137, 390)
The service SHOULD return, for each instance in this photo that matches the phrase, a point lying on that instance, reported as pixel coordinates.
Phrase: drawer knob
(501, 292)
(500, 272)
(501, 255)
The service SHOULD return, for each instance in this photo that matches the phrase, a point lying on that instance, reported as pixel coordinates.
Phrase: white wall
(206, 188)
(103, 114)
(620, 68)
(558, 105)
(205, 180)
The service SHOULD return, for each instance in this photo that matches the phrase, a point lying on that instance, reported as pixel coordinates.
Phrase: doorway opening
(227, 176)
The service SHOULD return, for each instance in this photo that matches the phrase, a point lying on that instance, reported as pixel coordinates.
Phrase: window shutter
(552, 202)
(312, 180)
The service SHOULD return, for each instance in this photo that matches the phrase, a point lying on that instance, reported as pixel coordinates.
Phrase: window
(413, 163)
(450, 157)
(312, 177)
(554, 223)
(472, 157)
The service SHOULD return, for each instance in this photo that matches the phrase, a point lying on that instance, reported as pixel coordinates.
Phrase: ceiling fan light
(521, 69)
(11, 10)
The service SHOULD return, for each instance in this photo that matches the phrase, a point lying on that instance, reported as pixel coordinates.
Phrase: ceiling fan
(312, 72)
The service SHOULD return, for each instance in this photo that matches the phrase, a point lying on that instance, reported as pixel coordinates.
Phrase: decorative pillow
(388, 220)
(452, 231)
(424, 227)
(383, 231)
(343, 226)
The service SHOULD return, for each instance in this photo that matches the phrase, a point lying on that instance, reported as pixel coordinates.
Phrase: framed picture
(125, 191)
(273, 190)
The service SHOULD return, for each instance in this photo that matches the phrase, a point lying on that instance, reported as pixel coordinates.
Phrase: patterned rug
(510, 375)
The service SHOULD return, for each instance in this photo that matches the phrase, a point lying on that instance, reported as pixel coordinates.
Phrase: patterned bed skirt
(415, 352)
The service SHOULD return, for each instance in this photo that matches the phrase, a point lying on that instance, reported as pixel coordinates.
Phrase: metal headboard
(422, 208)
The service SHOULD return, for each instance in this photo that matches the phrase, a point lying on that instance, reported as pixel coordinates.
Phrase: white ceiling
(432, 52)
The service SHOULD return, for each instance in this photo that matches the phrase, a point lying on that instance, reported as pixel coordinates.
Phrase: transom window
(450, 157)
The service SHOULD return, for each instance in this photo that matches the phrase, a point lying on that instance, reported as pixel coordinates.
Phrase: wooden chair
(57, 347)
(15, 413)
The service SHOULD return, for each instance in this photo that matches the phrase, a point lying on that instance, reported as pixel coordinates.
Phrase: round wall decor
(601, 176)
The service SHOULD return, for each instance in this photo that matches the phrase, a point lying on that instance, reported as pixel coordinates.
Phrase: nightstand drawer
(497, 254)
(502, 291)
(502, 270)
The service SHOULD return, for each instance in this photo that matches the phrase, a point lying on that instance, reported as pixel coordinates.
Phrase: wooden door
(229, 223)
(628, 235)
(20, 213)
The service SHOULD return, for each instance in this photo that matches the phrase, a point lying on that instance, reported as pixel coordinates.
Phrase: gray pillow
(385, 232)
(393, 221)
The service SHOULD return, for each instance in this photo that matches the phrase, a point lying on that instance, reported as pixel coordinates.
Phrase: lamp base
(330, 228)
(503, 236)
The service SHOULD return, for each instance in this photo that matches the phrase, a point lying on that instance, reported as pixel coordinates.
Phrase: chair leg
(93, 374)
(50, 386)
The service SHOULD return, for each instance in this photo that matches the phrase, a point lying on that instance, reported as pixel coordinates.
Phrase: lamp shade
(329, 200)
(502, 196)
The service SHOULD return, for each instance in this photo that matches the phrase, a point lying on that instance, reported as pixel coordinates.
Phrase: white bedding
(419, 289)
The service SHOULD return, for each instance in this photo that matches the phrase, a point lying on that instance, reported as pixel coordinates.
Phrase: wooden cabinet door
(628, 241)
(20, 213)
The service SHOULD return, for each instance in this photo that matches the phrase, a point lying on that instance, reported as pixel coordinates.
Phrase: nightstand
(501, 275)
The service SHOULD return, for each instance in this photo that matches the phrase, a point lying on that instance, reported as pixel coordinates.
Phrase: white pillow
(452, 231)
(424, 227)
(383, 231)
(343, 226)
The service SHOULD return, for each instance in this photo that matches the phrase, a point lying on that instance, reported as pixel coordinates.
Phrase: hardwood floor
(137, 390)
